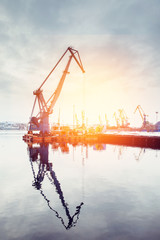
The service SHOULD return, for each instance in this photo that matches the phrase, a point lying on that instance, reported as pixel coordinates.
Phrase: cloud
(118, 42)
(84, 17)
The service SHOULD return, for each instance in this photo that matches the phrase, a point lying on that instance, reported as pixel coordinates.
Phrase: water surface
(81, 192)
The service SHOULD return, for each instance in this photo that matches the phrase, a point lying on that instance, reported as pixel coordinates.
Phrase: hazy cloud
(117, 39)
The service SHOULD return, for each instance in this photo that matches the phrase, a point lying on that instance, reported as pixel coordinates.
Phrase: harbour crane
(142, 114)
(116, 119)
(100, 120)
(41, 121)
(106, 119)
(123, 117)
(77, 122)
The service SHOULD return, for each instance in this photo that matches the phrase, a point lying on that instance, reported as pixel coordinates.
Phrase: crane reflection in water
(40, 154)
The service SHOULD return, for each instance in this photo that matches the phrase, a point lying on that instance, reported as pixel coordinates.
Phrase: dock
(152, 142)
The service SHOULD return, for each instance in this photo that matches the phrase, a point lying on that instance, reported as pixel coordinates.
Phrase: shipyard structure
(39, 130)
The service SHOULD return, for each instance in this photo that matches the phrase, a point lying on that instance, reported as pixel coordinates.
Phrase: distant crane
(83, 119)
(100, 120)
(116, 119)
(142, 114)
(41, 121)
(124, 118)
(106, 119)
(77, 122)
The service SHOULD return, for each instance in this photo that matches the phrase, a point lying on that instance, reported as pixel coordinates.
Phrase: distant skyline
(118, 41)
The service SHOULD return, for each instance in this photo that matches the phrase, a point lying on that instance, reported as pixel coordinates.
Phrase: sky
(118, 42)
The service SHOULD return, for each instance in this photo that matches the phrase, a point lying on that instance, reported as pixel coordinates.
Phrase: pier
(152, 142)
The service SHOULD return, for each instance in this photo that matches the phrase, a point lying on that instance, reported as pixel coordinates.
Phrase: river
(78, 192)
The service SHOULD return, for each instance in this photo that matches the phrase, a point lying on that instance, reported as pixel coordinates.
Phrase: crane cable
(83, 100)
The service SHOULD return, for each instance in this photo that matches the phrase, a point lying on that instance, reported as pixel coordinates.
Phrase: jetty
(131, 140)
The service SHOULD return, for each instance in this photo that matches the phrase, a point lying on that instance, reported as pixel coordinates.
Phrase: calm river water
(81, 192)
